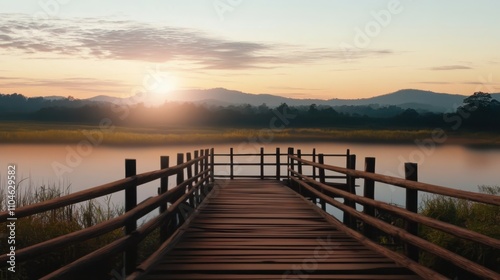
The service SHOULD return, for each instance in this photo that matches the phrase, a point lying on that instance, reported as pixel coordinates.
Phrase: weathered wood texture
(253, 229)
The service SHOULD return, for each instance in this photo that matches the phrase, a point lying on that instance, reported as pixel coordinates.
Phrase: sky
(294, 48)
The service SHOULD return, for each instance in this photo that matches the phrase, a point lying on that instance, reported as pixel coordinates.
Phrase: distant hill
(406, 99)
(225, 96)
(411, 98)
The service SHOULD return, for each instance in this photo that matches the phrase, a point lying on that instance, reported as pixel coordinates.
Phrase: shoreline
(130, 138)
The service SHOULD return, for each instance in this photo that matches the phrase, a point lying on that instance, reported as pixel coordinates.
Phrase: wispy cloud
(450, 67)
(433, 83)
(492, 85)
(131, 40)
(70, 84)
(293, 88)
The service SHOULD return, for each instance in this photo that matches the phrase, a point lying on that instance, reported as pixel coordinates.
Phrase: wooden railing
(361, 224)
(323, 185)
(193, 183)
(278, 160)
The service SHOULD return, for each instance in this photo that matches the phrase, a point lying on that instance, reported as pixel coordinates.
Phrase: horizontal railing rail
(184, 197)
(399, 182)
(409, 235)
(278, 162)
(97, 191)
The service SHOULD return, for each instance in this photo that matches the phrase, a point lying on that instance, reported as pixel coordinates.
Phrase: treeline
(17, 103)
(478, 112)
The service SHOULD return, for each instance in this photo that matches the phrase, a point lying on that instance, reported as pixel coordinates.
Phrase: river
(452, 166)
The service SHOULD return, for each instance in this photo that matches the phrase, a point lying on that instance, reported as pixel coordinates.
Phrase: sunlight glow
(160, 91)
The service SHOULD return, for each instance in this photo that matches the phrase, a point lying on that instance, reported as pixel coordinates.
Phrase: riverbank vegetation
(478, 217)
(475, 122)
(474, 216)
(47, 225)
(50, 133)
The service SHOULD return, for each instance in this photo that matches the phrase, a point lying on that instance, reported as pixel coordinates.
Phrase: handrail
(324, 192)
(424, 272)
(278, 163)
(120, 244)
(477, 197)
(98, 191)
(99, 229)
(186, 191)
(446, 227)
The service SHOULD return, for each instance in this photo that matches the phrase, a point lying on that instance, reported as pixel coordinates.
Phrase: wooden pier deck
(260, 229)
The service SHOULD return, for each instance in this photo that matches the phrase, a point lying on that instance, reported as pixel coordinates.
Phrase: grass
(478, 217)
(47, 225)
(21, 132)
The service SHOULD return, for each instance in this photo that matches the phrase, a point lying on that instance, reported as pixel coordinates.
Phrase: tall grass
(50, 224)
(478, 217)
(31, 132)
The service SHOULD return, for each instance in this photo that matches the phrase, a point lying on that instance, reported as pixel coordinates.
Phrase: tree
(480, 100)
(480, 111)
(313, 109)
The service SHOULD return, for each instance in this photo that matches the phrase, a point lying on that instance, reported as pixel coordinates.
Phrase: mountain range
(407, 98)
(419, 100)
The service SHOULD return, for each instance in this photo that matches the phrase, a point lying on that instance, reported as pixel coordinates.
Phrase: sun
(160, 91)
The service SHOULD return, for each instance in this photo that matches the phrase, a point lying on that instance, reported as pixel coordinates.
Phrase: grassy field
(21, 132)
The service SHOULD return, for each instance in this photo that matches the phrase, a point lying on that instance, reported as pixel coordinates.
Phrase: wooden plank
(258, 229)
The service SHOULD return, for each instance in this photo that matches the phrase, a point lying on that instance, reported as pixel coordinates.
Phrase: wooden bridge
(222, 221)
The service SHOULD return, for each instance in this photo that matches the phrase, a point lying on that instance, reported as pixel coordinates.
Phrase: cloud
(293, 88)
(433, 83)
(450, 67)
(74, 84)
(132, 40)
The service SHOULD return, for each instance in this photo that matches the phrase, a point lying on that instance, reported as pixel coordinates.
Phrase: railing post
(130, 203)
(289, 165)
(180, 174)
(180, 179)
(322, 179)
(299, 164)
(278, 164)
(351, 187)
(189, 176)
(314, 160)
(231, 163)
(197, 164)
(299, 170)
(164, 163)
(369, 192)
(411, 173)
(212, 165)
(201, 169)
(190, 168)
(262, 163)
